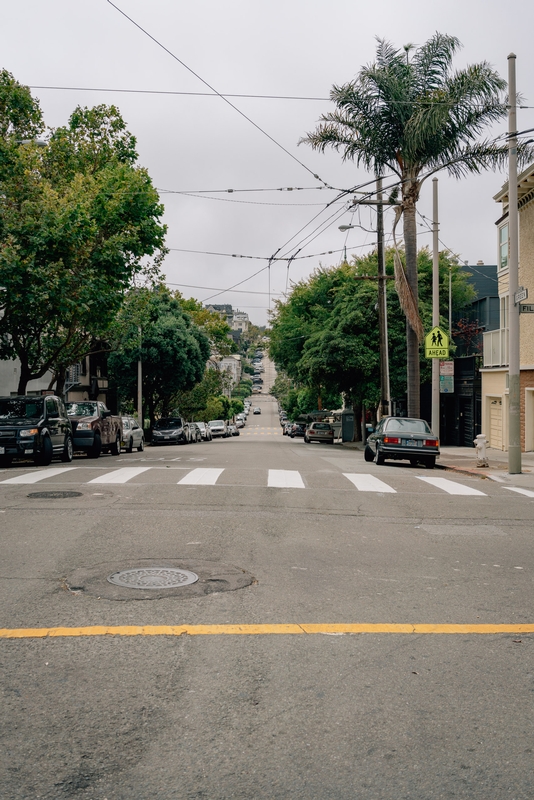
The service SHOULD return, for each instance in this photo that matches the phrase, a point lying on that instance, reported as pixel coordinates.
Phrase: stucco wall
(526, 279)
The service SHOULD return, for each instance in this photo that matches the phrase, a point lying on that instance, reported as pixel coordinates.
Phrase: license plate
(165, 437)
(2, 450)
(410, 442)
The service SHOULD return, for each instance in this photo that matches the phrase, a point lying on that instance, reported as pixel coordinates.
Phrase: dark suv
(34, 427)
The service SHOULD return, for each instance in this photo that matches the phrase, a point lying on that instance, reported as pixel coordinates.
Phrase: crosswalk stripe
(285, 479)
(368, 483)
(34, 477)
(526, 492)
(120, 475)
(202, 476)
(451, 487)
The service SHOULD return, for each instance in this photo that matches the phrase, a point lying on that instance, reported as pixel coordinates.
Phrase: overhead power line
(225, 99)
(186, 94)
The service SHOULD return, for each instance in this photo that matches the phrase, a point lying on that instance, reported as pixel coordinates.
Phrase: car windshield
(216, 422)
(321, 426)
(126, 424)
(21, 409)
(81, 409)
(168, 422)
(407, 425)
(200, 425)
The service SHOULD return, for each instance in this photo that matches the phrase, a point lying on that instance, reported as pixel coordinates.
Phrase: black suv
(34, 427)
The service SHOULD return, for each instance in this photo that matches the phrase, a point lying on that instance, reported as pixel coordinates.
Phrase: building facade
(495, 358)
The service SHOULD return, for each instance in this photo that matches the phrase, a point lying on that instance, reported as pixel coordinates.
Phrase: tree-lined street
(262, 713)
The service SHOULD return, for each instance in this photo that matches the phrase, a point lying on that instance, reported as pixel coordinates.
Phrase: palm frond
(432, 61)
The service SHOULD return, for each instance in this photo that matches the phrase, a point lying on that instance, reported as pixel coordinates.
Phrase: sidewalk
(463, 460)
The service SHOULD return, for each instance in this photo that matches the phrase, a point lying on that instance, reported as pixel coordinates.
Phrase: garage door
(496, 424)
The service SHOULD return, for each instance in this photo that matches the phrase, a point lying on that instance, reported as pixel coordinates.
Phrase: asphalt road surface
(320, 655)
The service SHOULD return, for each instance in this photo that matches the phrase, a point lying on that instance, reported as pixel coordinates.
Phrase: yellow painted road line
(263, 630)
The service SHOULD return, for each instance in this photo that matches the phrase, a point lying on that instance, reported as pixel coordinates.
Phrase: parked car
(286, 427)
(218, 427)
(297, 429)
(319, 432)
(404, 438)
(95, 429)
(257, 410)
(205, 431)
(132, 435)
(170, 430)
(233, 430)
(34, 427)
(240, 422)
(192, 431)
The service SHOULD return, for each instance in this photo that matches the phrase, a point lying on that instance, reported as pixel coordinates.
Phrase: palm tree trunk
(412, 342)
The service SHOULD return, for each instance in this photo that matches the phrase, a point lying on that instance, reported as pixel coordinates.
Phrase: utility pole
(435, 306)
(385, 399)
(140, 385)
(514, 397)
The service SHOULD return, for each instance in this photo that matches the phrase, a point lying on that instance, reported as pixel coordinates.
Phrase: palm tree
(409, 113)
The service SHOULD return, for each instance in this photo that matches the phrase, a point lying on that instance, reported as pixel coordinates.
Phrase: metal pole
(140, 385)
(514, 397)
(450, 303)
(385, 400)
(435, 305)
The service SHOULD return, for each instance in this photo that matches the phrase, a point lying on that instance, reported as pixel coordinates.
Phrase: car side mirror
(107, 414)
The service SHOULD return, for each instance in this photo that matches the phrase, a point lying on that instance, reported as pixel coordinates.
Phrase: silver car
(218, 428)
(132, 435)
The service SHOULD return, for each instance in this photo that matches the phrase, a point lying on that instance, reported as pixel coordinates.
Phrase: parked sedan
(403, 438)
(319, 432)
(297, 429)
(233, 430)
(169, 430)
(192, 432)
(218, 427)
(257, 410)
(132, 435)
(205, 431)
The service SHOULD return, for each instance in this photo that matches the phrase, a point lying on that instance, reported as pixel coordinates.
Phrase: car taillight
(431, 442)
(391, 440)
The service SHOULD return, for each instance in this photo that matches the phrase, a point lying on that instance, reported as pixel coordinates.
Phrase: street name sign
(521, 294)
(437, 343)
(526, 308)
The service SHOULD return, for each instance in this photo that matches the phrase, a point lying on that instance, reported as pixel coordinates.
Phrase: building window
(505, 306)
(504, 246)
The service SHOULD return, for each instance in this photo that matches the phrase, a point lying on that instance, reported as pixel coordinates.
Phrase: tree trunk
(412, 342)
(25, 376)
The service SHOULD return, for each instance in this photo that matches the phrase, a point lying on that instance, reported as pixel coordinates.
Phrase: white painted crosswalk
(120, 475)
(285, 479)
(41, 475)
(368, 483)
(202, 476)
(451, 487)
(362, 482)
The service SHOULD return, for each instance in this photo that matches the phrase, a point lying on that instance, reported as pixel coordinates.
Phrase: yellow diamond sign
(437, 343)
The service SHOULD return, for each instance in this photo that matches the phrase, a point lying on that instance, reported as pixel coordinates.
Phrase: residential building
(495, 360)
(232, 365)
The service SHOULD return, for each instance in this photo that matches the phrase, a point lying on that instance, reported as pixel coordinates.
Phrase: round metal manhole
(153, 578)
(54, 495)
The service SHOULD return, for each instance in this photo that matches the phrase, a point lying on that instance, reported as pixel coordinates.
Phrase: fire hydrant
(480, 447)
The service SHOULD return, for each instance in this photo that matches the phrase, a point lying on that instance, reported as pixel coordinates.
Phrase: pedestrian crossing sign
(437, 343)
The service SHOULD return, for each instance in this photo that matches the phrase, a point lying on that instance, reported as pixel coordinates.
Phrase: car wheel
(430, 462)
(368, 454)
(5, 461)
(96, 448)
(141, 446)
(115, 448)
(306, 440)
(380, 458)
(129, 448)
(68, 450)
(414, 462)
(45, 456)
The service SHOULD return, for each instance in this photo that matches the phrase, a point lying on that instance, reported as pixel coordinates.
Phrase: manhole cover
(55, 495)
(153, 578)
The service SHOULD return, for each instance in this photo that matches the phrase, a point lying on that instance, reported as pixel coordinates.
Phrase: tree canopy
(77, 220)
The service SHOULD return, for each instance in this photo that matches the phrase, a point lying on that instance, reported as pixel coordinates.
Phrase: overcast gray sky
(199, 144)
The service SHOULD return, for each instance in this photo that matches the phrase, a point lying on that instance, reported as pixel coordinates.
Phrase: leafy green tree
(236, 407)
(173, 351)
(78, 219)
(414, 116)
(325, 336)
(214, 326)
(193, 403)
